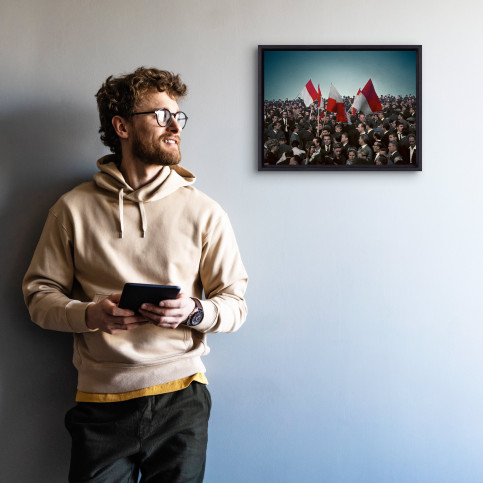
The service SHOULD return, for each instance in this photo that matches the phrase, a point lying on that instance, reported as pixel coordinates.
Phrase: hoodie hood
(169, 179)
(110, 178)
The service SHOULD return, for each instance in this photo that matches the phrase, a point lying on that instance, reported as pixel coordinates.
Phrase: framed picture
(339, 108)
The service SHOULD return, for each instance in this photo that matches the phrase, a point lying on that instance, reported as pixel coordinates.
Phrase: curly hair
(118, 96)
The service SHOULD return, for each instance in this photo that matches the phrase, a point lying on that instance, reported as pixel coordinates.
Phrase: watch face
(195, 319)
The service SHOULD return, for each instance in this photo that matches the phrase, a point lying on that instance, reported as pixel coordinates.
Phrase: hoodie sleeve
(224, 280)
(49, 280)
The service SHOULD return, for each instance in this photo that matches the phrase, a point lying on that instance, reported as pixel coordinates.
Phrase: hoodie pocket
(146, 345)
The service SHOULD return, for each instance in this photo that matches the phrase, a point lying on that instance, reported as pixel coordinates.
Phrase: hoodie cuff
(75, 312)
(210, 316)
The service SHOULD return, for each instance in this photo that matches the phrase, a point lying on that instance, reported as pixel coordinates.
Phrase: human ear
(121, 127)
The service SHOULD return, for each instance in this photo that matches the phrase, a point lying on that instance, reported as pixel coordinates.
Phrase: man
(392, 138)
(402, 141)
(354, 131)
(271, 151)
(337, 157)
(313, 121)
(394, 156)
(296, 150)
(294, 136)
(310, 152)
(401, 137)
(286, 124)
(370, 132)
(376, 148)
(327, 148)
(412, 149)
(362, 158)
(306, 135)
(361, 127)
(381, 160)
(345, 143)
(276, 132)
(386, 126)
(364, 148)
(285, 157)
(271, 122)
(316, 154)
(142, 398)
(283, 146)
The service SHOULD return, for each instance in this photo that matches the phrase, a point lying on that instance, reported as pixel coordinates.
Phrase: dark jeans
(164, 437)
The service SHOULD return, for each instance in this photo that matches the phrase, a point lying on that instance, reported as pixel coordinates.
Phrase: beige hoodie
(103, 234)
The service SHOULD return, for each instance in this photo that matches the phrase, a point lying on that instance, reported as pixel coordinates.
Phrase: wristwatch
(196, 316)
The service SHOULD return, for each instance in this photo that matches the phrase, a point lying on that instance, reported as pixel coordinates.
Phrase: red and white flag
(335, 103)
(309, 94)
(367, 101)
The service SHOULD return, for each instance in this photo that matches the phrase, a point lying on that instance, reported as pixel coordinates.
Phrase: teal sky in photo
(287, 72)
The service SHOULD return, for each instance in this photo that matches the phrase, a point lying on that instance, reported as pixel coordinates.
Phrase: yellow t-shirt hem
(165, 388)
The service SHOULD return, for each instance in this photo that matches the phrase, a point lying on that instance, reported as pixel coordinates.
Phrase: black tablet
(135, 294)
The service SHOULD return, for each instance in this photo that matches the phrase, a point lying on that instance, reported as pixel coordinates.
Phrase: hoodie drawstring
(121, 212)
(143, 217)
(142, 212)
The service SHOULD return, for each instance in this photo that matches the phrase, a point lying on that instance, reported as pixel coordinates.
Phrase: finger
(172, 303)
(121, 321)
(160, 310)
(158, 319)
(169, 302)
(115, 297)
(118, 312)
(163, 313)
(133, 320)
(155, 309)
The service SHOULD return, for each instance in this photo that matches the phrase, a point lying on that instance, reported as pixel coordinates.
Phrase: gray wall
(361, 358)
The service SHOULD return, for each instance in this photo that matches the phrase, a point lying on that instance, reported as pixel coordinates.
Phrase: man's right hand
(109, 318)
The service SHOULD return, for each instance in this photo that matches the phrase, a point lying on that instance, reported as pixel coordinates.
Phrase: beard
(153, 153)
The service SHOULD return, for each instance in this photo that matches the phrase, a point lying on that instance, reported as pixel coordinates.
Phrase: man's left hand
(169, 313)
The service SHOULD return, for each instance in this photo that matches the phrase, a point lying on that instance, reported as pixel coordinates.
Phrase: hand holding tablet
(136, 294)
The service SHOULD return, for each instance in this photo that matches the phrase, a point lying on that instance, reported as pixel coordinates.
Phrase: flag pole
(325, 116)
(318, 123)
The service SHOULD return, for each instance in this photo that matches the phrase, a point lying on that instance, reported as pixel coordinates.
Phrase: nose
(173, 126)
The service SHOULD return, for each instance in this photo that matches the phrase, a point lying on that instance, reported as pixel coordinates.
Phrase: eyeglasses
(163, 116)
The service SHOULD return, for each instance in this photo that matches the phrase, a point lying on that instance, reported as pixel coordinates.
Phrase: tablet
(135, 294)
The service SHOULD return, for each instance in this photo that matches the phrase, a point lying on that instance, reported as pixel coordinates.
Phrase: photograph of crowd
(377, 127)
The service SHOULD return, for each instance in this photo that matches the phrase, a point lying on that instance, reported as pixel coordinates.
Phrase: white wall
(361, 358)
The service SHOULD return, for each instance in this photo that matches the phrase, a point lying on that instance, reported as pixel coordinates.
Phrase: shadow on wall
(37, 379)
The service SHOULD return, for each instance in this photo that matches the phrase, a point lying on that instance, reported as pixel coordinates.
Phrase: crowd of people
(295, 135)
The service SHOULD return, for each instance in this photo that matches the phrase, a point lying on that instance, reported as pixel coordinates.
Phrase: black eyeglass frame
(171, 115)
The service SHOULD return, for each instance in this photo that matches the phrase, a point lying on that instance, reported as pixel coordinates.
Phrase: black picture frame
(284, 68)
